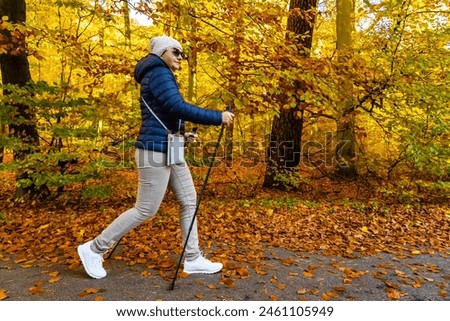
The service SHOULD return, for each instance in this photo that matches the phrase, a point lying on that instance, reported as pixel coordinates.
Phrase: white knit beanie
(161, 43)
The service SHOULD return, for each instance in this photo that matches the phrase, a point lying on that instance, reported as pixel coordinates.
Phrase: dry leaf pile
(234, 228)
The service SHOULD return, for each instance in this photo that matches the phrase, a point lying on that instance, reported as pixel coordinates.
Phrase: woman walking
(163, 109)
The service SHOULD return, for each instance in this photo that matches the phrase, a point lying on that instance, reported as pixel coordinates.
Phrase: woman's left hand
(190, 137)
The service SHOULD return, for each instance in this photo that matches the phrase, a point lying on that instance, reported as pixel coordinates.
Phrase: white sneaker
(201, 265)
(92, 262)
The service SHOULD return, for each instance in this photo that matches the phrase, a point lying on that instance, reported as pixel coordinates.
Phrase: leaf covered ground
(239, 222)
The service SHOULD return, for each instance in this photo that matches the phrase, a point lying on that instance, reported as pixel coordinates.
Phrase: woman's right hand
(227, 118)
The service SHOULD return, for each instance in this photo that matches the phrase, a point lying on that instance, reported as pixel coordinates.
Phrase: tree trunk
(127, 23)
(284, 152)
(234, 72)
(192, 57)
(345, 134)
(15, 70)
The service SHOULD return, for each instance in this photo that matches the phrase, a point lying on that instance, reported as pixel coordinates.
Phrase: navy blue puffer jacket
(160, 90)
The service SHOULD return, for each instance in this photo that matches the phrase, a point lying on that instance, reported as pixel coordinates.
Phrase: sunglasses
(177, 53)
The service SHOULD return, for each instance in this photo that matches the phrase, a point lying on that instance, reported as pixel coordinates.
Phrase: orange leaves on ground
(443, 293)
(54, 280)
(302, 291)
(3, 294)
(228, 282)
(393, 291)
(90, 291)
(310, 270)
(54, 277)
(287, 262)
(260, 271)
(330, 295)
(146, 273)
(353, 274)
(281, 286)
(36, 288)
(234, 230)
(339, 289)
(395, 294)
(233, 269)
(183, 274)
(308, 274)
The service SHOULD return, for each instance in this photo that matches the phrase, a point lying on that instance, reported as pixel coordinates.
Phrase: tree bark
(284, 151)
(345, 133)
(127, 23)
(16, 71)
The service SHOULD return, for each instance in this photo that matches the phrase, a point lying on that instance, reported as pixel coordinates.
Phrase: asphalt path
(289, 276)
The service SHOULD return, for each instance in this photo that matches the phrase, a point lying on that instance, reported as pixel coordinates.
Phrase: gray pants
(154, 178)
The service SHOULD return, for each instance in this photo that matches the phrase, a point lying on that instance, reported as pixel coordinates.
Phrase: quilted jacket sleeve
(164, 88)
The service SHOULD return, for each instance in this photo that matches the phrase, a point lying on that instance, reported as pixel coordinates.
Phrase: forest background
(342, 121)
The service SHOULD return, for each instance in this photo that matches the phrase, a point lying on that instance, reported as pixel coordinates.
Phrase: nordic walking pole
(198, 202)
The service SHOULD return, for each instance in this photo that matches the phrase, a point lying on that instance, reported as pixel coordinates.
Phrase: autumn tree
(411, 52)
(15, 72)
(284, 152)
(82, 68)
(383, 88)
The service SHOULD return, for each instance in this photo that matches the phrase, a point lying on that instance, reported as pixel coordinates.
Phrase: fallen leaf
(442, 284)
(3, 294)
(260, 271)
(228, 282)
(281, 286)
(391, 285)
(314, 291)
(89, 291)
(168, 263)
(288, 261)
(400, 273)
(146, 273)
(330, 295)
(394, 294)
(43, 226)
(183, 275)
(243, 272)
(302, 291)
(36, 290)
(339, 289)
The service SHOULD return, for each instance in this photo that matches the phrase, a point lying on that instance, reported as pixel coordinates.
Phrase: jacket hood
(146, 64)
